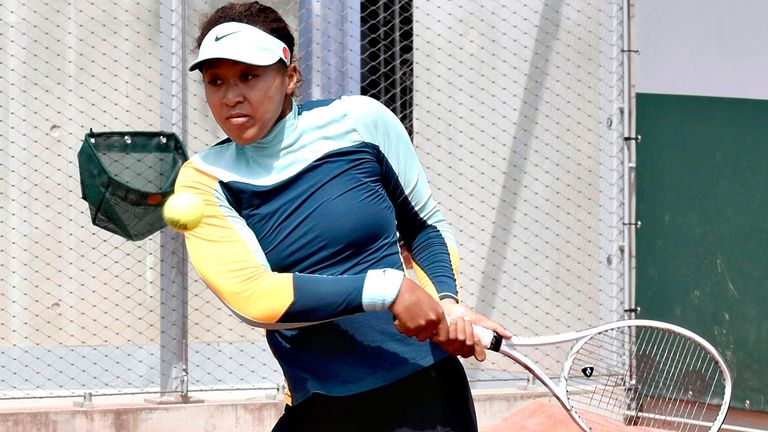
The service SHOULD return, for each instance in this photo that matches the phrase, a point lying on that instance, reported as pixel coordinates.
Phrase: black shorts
(435, 399)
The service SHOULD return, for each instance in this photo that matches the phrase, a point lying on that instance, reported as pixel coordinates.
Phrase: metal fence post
(174, 386)
(333, 29)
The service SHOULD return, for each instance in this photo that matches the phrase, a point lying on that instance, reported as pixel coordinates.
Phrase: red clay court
(544, 416)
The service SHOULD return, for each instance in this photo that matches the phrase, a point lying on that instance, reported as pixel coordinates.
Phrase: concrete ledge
(236, 412)
(234, 416)
(231, 412)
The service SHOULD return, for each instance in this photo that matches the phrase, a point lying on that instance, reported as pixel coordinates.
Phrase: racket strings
(663, 374)
(609, 379)
(666, 400)
(646, 377)
(661, 381)
(677, 406)
(685, 393)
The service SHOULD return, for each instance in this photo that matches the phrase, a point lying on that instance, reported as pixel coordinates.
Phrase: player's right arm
(228, 257)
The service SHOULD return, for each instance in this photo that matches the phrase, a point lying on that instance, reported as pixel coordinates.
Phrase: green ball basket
(126, 177)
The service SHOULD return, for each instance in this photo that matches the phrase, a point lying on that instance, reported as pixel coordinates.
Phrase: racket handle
(490, 339)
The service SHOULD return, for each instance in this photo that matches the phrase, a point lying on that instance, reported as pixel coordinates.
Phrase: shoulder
(356, 106)
(364, 106)
(218, 147)
(224, 145)
(206, 161)
(370, 118)
(363, 115)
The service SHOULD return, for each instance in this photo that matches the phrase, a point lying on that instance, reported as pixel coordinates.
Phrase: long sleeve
(230, 258)
(422, 227)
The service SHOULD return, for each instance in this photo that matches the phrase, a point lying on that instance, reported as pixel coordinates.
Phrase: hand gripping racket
(640, 373)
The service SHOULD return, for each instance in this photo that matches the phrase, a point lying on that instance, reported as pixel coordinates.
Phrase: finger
(452, 330)
(469, 337)
(425, 332)
(442, 333)
(498, 328)
(406, 331)
(479, 351)
(469, 333)
(488, 323)
(439, 336)
(400, 328)
(460, 330)
(461, 345)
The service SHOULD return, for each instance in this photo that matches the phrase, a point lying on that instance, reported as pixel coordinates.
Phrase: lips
(237, 118)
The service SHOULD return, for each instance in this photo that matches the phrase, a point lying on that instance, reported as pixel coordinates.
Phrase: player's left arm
(423, 230)
(425, 234)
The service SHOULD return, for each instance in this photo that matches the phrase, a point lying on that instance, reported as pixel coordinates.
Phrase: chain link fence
(515, 108)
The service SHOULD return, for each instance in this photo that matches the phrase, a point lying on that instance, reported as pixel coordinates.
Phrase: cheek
(213, 101)
(271, 102)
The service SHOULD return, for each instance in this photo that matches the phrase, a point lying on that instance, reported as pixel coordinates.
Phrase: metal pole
(397, 108)
(629, 139)
(333, 29)
(182, 40)
(174, 386)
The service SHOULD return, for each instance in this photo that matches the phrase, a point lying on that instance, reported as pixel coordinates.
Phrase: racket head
(647, 374)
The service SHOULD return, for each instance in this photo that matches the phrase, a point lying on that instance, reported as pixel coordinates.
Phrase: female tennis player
(305, 206)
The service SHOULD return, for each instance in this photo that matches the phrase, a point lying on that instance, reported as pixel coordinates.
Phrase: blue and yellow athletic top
(303, 226)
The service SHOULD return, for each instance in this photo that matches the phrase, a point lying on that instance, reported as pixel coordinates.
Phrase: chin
(239, 139)
(244, 139)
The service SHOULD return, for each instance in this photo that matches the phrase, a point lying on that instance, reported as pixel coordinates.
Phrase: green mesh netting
(127, 176)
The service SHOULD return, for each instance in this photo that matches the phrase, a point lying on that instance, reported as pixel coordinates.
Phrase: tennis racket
(640, 373)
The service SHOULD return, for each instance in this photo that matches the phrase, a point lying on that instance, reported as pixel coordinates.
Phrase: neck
(287, 107)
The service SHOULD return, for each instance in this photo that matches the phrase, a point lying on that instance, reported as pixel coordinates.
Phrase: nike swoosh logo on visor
(220, 37)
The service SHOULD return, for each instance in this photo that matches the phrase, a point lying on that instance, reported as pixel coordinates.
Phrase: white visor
(243, 43)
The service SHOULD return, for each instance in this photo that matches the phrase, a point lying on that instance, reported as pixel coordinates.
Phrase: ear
(292, 74)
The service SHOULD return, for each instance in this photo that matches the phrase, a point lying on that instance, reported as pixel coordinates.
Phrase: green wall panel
(702, 250)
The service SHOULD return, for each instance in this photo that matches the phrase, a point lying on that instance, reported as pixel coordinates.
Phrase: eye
(213, 81)
(247, 76)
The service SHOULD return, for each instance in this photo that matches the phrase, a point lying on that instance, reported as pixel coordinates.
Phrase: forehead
(224, 65)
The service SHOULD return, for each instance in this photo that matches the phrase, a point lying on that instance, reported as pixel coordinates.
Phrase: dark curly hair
(252, 13)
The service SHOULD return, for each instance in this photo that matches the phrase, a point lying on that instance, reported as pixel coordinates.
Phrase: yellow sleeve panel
(427, 284)
(228, 257)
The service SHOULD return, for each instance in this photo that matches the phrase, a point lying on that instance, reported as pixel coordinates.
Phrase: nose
(233, 94)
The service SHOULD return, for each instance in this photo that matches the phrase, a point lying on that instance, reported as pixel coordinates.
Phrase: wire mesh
(513, 106)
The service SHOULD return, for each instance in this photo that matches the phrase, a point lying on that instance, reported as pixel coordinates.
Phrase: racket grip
(490, 339)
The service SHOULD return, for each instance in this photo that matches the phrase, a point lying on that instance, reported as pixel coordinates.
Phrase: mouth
(237, 118)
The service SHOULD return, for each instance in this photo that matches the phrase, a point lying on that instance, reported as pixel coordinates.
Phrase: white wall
(512, 102)
(703, 47)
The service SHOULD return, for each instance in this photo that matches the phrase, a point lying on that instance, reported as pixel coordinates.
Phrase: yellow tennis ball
(183, 211)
